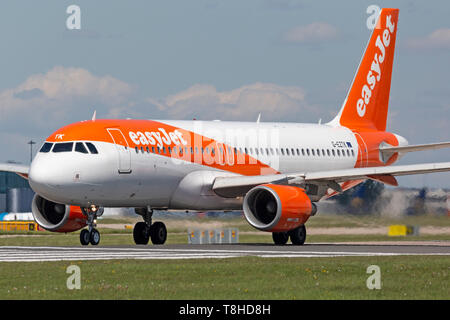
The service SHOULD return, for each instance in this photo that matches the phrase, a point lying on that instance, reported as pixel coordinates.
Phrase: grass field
(402, 277)
(235, 278)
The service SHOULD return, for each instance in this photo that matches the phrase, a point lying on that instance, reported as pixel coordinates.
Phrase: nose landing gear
(91, 235)
(144, 231)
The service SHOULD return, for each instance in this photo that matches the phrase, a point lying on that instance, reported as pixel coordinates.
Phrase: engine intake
(277, 208)
(57, 217)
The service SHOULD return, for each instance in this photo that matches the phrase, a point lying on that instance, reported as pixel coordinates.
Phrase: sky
(286, 59)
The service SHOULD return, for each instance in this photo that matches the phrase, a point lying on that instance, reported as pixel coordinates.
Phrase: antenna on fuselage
(259, 118)
(94, 116)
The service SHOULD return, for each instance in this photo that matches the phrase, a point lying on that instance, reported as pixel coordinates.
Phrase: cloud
(438, 39)
(203, 101)
(61, 93)
(311, 33)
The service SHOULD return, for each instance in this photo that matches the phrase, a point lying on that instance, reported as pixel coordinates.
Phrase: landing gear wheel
(158, 233)
(91, 235)
(84, 237)
(280, 238)
(298, 235)
(141, 233)
(94, 237)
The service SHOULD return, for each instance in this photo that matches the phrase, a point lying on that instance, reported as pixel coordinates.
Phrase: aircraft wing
(20, 169)
(239, 185)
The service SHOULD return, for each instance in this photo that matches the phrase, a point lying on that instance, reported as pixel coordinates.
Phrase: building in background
(15, 193)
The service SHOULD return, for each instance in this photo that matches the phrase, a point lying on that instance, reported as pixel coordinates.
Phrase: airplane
(274, 171)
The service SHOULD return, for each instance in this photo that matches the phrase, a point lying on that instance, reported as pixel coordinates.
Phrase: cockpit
(77, 146)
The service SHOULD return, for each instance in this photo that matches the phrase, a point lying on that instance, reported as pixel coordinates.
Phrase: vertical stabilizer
(366, 105)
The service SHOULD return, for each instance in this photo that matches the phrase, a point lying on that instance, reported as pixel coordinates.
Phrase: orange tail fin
(366, 105)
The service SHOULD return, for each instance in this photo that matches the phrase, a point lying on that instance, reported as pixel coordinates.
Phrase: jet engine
(57, 217)
(277, 208)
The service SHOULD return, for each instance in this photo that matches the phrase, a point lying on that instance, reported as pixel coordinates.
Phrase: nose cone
(42, 177)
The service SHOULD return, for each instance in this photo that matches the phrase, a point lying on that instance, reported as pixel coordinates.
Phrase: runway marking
(36, 254)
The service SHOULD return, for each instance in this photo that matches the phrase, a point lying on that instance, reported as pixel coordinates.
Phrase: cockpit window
(79, 147)
(92, 148)
(63, 147)
(46, 147)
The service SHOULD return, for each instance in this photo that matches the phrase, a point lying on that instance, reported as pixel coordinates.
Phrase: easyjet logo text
(374, 74)
(158, 138)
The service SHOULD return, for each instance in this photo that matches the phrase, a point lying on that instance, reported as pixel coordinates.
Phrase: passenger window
(328, 152)
(92, 148)
(287, 151)
(338, 152)
(303, 152)
(63, 147)
(307, 152)
(46, 147)
(312, 152)
(353, 153)
(79, 147)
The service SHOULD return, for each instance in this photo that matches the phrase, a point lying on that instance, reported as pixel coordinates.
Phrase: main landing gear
(297, 236)
(91, 235)
(144, 231)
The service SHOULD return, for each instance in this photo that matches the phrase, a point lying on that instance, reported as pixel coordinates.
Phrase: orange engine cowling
(57, 217)
(277, 208)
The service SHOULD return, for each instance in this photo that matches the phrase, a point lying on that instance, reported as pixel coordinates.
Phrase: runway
(315, 250)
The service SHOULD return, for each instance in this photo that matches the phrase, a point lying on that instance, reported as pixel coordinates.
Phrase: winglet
(94, 116)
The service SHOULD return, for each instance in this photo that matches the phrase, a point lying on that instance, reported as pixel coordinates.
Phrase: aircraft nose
(39, 176)
(45, 177)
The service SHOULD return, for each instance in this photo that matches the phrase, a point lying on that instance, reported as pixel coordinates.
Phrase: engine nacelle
(57, 217)
(277, 208)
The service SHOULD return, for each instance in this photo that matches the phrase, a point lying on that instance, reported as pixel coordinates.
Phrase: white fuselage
(121, 176)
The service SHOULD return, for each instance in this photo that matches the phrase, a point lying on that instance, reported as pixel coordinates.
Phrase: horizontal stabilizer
(389, 151)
